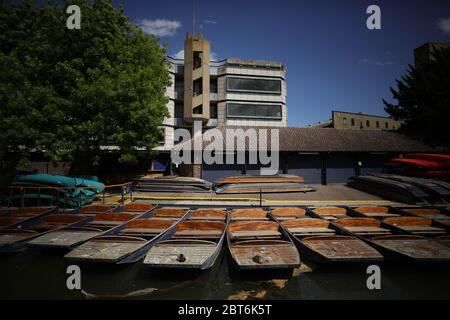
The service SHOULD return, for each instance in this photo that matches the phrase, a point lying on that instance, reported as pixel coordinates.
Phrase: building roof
(319, 140)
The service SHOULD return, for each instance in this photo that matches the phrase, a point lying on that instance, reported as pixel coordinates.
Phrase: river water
(40, 274)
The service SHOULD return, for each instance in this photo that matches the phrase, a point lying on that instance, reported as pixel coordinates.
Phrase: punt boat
(413, 248)
(288, 213)
(260, 244)
(94, 209)
(414, 226)
(317, 242)
(194, 243)
(377, 212)
(14, 239)
(361, 227)
(100, 224)
(429, 213)
(444, 240)
(13, 216)
(249, 214)
(330, 213)
(130, 240)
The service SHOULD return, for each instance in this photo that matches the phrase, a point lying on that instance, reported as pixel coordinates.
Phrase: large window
(253, 85)
(262, 111)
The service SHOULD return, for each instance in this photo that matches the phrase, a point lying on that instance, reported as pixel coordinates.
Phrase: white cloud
(160, 27)
(209, 22)
(180, 55)
(376, 63)
(444, 25)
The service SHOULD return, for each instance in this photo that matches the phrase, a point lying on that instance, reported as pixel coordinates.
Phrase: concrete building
(424, 53)
(358, 121)
(230, 92)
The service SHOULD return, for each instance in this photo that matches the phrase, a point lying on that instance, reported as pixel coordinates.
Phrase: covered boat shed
(320, 155)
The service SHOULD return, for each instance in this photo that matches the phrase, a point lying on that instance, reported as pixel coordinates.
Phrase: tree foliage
(66, 93)
(423, 100)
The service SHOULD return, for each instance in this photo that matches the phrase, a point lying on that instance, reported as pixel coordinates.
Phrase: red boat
(445, 158)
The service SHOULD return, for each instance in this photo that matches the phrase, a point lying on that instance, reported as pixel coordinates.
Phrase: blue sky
(333, 61)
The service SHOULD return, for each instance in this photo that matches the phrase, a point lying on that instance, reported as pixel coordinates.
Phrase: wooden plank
(422, 229)
(367, 230)
(107, 251)
(64, 238)
(255, 233)
(300, 231)
(170, 254)
(422, 249)
(12, 237)
(199, 233)
(339, 248)
(265, 255)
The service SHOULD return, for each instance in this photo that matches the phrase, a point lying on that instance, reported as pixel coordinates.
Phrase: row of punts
(256, 238)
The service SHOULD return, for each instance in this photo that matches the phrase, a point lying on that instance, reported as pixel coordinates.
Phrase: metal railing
(58, 196)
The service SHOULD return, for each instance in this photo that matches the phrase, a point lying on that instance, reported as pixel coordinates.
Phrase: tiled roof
(323, 140)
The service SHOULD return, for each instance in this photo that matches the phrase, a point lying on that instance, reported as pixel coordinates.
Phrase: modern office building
(358, 121)
(230, 92)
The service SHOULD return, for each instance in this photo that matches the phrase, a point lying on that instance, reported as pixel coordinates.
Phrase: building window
(198, 110)
(213, 111)
(378, 124)
(386, 125)
(179, 109)
(367, 123)
(353, 122)
(213, 85)
(259, 111)
(344, 120)
(197, 59)
(253, 85)
(198, 87)
(162, 136)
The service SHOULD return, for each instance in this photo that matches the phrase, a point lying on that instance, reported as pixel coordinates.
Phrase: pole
(193, 17)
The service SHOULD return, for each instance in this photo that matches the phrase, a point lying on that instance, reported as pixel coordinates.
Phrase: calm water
(38, 274)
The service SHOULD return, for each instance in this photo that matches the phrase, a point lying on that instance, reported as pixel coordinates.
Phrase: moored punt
(444, 240)
(288, 213)
(137, 207)
(337, 249)
(193, 244)
(209, 214)
(330, 213)
(13, 216)
(249, 214)
(308, 227)
(256, 245)
(169, 213)
(429, 213)
(70, 237)
(414, 226)
(377, 212)
(94, 209)
(128, 241)
(260, 179)
(362, 227)
(411, 247)
(15, 239)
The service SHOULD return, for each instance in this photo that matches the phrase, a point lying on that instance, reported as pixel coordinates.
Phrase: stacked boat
(171, 184)
(249, 184)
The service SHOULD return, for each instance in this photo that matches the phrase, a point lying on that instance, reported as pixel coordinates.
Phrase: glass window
(353, 122)
(386, 125)
(367, 123)
(345, 121)
(378, 124)
(213, 111)
(258, 85)
(240, 110)
(179, 107)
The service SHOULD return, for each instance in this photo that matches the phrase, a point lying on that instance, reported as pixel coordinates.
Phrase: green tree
(423, 100)
(66, 93)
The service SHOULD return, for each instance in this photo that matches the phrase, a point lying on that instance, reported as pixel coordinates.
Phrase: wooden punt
(288, 213)
(193, 244)
(137, 207)
(308, 227)
(170, 213)
(412, 248)
(249, 214)
(429, 213)
(444, 240)
(94, 209)
(100, 224)
(128, 242)
(209, 214)
(337, 249)
(377, 212)
(414, 226)
(15, 239)
(260, 179)
(14, 216)
(330, 213)
(257, 245)
(361, 227)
